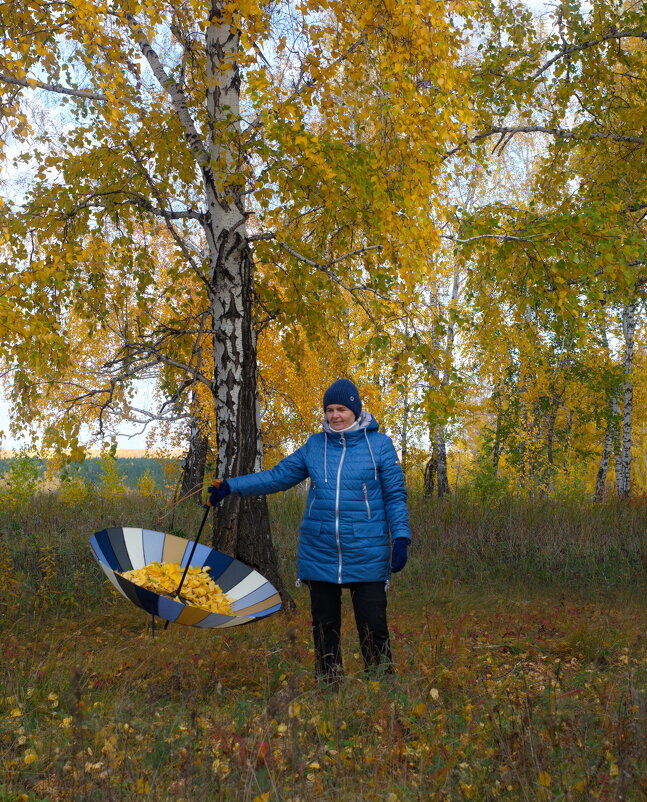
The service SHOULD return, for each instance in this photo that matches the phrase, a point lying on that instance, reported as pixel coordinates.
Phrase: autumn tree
(574, 246)
(230, 123)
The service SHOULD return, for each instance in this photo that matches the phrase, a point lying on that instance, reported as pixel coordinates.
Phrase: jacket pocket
(309, 529)
(370, 531)
(313, 488)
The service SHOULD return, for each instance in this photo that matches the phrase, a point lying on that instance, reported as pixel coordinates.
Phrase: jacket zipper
(314, 498)
(341, 462)
(368, 506)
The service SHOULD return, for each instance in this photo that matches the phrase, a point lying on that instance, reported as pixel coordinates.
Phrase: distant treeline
(131, 468)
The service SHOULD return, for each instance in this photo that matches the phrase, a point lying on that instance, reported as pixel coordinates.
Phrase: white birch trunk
(430, 476)
(437, 466)
(404, 447)
(623, 486)
(615, 437)
(241, 525)
(611, 436)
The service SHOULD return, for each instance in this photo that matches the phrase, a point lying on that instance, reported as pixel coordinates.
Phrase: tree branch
(179, 241)
(257, 237)
(176, 94)
(559, 133)
(143, 203)
(504, 237)
(568, 50)
(325, 268)
(30, 83)
(325, 265)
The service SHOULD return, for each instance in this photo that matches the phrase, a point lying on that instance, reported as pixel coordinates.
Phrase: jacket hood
(365, 421)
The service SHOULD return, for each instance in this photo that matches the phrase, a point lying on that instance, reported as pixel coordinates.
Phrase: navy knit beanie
(343, 392)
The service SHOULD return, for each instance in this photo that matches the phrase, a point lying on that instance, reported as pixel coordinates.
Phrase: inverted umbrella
(125, 548)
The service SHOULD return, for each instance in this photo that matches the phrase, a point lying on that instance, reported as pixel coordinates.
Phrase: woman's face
(339, 417)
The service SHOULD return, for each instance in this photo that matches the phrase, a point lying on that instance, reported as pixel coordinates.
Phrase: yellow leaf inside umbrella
(198, 589)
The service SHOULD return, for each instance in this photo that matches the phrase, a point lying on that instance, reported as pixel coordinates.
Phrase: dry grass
(508, 686)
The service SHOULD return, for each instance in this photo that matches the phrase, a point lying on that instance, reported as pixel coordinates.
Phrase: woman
(356, 497)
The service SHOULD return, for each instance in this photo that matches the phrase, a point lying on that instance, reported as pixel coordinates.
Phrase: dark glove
(217, 491)
(399, 555)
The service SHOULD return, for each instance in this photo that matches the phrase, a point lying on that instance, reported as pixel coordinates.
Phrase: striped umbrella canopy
(126, 548)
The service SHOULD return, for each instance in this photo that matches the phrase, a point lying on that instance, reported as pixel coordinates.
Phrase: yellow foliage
(112, 486)
(147, 486)
(544, 779)
(171, 470)
(74, 490)
(198, 589)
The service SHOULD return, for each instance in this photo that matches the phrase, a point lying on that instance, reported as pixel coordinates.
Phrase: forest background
(223, 207)
(453, 218)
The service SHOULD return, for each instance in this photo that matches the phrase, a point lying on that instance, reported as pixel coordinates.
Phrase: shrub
(74, 490)
(147, 486)
(111, 487)
(19, 483)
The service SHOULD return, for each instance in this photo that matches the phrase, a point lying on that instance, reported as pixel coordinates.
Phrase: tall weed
(569, 542)
(567, 545)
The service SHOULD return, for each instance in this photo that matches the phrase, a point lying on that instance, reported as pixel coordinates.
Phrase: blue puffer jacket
(356, 497)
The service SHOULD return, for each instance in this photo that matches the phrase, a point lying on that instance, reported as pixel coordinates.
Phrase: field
(519, 635)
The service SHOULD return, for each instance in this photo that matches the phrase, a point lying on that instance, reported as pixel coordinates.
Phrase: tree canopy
(443, 201)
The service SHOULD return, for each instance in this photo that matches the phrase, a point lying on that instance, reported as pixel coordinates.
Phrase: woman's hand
(217, 491)
(399, 555)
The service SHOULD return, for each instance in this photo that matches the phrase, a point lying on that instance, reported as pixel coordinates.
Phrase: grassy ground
(519, 635)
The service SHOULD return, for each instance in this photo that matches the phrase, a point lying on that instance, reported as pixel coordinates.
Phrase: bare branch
(179, 241)
(30, 83)
(325, 268)
(257, 237)
(353, 253)
(559, 133)
(143, 203)
(196, 353)
(570, 49)
(505, 237)
(325, 265)
(150, 351)
(149, 416)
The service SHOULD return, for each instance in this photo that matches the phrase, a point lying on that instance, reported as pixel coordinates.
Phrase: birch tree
(226, 122)
(576, 241)
(623, 470)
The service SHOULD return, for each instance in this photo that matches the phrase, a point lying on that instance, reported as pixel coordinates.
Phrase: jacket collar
(366, 422)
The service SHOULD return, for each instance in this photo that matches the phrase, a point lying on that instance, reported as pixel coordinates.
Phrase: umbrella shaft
(195, 543)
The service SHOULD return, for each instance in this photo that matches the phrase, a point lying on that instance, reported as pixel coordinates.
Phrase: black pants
(369, 604)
